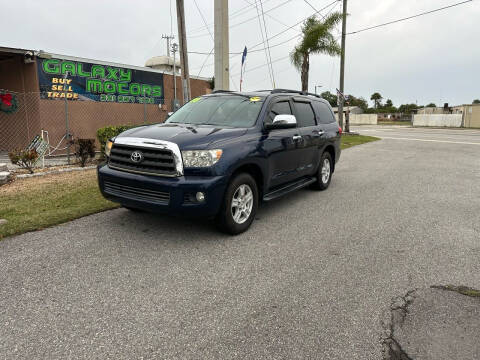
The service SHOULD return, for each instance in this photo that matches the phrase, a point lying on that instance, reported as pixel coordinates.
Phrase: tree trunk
(305, 69)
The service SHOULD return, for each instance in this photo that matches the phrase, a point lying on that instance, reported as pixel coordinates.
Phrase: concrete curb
(59, 171)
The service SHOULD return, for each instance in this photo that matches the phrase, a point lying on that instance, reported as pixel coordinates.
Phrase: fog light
(200, 196)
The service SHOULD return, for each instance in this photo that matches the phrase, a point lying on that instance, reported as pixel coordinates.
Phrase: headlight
(201, 158)
(108, 147)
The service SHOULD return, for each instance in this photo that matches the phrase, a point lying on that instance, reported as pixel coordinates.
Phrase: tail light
(340, 130)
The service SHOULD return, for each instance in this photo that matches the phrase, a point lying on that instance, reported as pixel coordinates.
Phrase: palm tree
(317, 39)
(376, 97)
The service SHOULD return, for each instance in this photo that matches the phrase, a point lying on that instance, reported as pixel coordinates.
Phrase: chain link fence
(59, 120)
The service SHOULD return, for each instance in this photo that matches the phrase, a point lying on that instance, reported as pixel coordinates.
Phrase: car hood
(186, 136)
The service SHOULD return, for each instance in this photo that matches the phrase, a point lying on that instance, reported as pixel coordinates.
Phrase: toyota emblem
(136, 156)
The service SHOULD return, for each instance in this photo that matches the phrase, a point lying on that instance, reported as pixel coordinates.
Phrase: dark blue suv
(221, 154)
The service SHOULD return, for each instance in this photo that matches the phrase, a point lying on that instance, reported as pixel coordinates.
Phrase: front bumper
(179, 189)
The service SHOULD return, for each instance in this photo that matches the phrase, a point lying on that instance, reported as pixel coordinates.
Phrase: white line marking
(429, 140)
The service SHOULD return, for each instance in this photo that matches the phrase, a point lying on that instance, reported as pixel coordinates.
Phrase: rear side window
(279, 108)
(305, 114)
(323, 113)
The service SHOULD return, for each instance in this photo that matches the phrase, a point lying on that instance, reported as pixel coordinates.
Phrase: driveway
(310, 280)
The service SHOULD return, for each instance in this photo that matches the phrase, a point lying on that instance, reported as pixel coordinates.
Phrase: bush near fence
(107, 132)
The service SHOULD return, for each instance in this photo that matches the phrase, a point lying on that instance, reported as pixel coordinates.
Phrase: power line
(270, 16)
(233, 15)
(245, 21)
(249, 51)
(308, 3)
(263, 65)
(213, 39)
(268, 45)
(251, 48)
(409, 17)
(263, 42)
(205, 22)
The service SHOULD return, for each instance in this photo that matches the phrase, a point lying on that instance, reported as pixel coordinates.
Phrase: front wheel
(239, 205)
(324, 174)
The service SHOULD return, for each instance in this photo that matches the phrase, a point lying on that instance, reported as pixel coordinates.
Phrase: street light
(319, 86)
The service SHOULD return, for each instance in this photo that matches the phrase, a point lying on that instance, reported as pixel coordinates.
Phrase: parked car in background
(221, 154)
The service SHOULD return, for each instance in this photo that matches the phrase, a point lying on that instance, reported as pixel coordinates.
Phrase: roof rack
(222, 91)
(278, 91)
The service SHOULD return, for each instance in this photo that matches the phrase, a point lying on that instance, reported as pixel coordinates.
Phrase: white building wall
(438, 120)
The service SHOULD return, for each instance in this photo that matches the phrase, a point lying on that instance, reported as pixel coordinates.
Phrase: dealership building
(45, 93)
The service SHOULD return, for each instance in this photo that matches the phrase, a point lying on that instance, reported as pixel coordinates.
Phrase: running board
(288, 188)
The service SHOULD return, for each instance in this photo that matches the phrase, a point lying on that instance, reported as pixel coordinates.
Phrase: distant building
(163, 63)
(470, 112)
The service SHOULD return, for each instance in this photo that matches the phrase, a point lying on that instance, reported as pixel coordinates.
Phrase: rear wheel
(324, 174)
(239, 205)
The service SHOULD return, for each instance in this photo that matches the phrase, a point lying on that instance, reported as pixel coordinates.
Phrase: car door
(281, 145)
(327, 124)
(311, 134)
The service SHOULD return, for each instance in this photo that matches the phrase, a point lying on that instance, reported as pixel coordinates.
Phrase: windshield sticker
(255, 98)
(196, 100)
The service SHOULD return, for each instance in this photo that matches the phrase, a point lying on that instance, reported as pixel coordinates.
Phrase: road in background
(407, 133)
(309, 280)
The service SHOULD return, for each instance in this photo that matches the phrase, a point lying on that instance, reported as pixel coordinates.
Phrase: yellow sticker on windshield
(196, 100)
(255, 98)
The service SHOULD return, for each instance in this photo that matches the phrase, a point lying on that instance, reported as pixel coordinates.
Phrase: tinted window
(279, 108)
(323, 113)
(221, 111)
(305, 115)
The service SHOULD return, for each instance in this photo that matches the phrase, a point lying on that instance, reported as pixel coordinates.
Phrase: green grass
(464, 290)
(353, 140)
(39, 202)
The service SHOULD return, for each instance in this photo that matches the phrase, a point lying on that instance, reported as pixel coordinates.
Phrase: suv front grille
(153, 161)
(136, 193)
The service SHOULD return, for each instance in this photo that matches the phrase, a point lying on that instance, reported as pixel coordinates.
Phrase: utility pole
(168, 38)
(222, 67)
(342, 71)
(182, 34)
(67, 126)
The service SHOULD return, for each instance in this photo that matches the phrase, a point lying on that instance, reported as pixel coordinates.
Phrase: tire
(235, 219)
(324, 173)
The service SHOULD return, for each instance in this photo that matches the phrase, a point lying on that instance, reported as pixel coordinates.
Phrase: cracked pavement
(310, 280)
(433, 324)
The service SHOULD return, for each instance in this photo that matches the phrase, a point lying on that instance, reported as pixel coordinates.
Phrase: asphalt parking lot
(310, 280)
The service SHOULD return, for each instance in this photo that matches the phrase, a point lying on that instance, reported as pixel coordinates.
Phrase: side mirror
(282, 122)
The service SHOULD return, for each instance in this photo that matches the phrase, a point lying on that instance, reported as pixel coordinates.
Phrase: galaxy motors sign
(75, 80)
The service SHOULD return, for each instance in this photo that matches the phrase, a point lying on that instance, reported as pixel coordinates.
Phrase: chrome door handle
(296, 137)
(319, 132)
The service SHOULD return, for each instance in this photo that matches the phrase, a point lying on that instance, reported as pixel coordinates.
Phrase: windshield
(223, 111)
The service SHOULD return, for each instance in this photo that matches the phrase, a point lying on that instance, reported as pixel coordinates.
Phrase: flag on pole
(244, 57)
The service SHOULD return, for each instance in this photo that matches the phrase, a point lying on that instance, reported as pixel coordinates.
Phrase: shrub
(26, 159)
(107, 132)
(84, 149)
